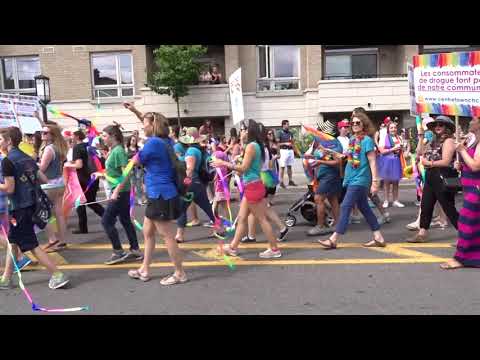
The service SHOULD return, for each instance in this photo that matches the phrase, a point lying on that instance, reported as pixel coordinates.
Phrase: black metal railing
(363, 76)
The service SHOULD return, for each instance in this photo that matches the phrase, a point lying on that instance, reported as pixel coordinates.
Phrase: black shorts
(270, 191)
(21, 232)
(163, 210)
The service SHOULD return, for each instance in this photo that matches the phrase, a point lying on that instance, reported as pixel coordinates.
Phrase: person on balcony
(216, 75)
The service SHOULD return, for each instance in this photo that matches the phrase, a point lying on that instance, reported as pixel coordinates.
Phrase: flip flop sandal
(55, 248)
(179, 241)
(50, 245)
(172, 280)
(136, 274)
(449, 266)
(331, 245)
(190, 224)
(375, 243)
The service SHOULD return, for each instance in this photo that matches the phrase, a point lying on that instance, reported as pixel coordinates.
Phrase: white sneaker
(398, 204)
(269, 254)
(385, 204)
(413, 226)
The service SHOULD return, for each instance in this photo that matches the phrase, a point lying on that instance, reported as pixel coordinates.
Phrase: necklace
(354, 149)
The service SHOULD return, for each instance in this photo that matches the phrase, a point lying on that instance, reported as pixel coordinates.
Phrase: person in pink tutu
(391, 162)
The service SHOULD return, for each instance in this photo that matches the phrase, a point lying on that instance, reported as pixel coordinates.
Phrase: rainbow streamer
(239, 183)
(318, 133)
(269, 178)
(229, 262)
(35, 307)
(418, 122)
(130, 165)
(132, 209)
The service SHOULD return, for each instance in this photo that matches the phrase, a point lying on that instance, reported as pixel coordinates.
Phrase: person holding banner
(437, 158)
(468, 243)
(52, 156)
(391, 163)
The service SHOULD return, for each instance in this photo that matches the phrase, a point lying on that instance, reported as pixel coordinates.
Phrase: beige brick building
(300, 83)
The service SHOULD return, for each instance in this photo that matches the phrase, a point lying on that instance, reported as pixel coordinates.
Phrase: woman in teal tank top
(254, 192)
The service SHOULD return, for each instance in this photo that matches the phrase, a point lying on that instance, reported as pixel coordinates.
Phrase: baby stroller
(306, 204)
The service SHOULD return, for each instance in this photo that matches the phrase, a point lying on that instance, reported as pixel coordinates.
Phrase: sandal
(179, 241)
(56, 247)
(375, 243)
(451, 264)
(192, 224)
(328, 244)
(50, 244)
(173, 279)
(137, 274)
(418, 239)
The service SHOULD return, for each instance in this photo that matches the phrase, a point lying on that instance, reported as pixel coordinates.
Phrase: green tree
(177, 68)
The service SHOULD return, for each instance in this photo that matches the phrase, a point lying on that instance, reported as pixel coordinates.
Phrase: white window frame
(270, 65)
(354, 51)
(17, 89)
(119, 86)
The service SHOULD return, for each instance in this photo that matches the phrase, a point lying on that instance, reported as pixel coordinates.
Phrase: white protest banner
(236, 96)
(448, 83)
(411, 86)
(19, 111)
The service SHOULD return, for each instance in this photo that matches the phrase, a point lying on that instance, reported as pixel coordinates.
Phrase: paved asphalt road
(400, 279)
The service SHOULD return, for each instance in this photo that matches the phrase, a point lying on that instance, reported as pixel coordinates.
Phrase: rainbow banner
(447, 83)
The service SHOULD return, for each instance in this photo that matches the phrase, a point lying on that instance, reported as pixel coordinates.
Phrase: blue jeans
(356, 195)
(200, 198)
(120, 208)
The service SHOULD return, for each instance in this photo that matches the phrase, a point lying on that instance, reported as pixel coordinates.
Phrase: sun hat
(442, 119)
(192, 136)
(327, 127)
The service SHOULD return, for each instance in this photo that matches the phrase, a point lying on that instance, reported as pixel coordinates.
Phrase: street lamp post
(42, 84)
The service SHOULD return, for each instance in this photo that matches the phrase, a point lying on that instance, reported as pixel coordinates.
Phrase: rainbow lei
(354, 149)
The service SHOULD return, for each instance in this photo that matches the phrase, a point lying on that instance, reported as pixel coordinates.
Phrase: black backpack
(206, 174)
(43, 205)
(179, 167)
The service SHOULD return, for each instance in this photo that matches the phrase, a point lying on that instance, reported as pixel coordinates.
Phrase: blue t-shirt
(197, 154)
(361, 176)
(179, 148)
(323, 169)
(159, 175)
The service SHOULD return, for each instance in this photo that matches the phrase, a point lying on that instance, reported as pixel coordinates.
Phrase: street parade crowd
(175, 172)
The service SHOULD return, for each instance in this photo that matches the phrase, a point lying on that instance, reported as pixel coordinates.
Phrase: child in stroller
(306, 204)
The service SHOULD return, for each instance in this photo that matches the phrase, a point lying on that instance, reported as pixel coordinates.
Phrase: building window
(278, 67)
(18, 74)
(112, 75)
(351, 64)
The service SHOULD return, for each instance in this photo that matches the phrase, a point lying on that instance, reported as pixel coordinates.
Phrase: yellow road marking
(263, 245)
(56, 257)
(400, 251)
(426, 259)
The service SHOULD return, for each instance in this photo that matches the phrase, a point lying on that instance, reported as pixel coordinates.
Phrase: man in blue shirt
(287, 156)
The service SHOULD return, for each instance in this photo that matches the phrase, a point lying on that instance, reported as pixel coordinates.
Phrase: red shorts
(254, 191)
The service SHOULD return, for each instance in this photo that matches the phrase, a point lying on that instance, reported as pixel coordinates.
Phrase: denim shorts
(329, 185)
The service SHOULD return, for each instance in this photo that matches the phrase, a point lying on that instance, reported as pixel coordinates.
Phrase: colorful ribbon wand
(35, 307)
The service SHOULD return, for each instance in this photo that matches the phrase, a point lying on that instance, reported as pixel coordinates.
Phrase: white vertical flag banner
(236, 96)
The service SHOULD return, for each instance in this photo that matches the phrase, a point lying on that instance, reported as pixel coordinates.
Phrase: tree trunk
(178, 113)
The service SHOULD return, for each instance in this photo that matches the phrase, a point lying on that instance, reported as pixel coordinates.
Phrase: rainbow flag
(318, 133)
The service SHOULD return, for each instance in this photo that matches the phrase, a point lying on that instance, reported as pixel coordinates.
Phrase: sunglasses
(45, 132)
(356, 123)
(439, 125)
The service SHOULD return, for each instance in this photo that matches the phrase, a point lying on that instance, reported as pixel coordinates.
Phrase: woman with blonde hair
(53, 154)
(360, 176)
